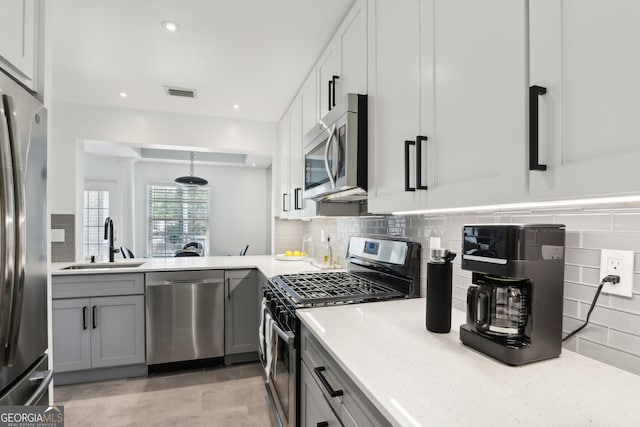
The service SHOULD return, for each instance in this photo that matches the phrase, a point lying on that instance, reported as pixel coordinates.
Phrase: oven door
(278, 357)
(325, 160)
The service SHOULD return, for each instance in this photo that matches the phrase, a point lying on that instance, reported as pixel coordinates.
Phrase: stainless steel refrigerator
(24, 369)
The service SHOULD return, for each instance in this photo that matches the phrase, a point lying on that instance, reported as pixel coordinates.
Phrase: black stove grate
(332, 288)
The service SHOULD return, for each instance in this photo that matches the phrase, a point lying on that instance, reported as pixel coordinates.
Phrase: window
(177, 215)
(96, 210)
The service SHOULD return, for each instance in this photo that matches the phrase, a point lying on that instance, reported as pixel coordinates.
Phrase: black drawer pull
(95, 317)
(534, 93)
(84, 317)
(419, 140)
(322, 424)
(329, 95)
(407, 145)
(319, 372)
(333, 90)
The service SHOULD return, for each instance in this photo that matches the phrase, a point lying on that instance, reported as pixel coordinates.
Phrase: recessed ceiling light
(171, 26)
(123, 94)
(236, 107)
(253, 164)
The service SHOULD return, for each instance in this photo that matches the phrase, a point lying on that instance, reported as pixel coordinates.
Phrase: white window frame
(114, 207)
(148, 244)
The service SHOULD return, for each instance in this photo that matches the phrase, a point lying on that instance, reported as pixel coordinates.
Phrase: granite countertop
(419, 378)
(267, 264)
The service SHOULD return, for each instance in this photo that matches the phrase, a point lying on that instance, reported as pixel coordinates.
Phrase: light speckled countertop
(418, 378)
(267, 264)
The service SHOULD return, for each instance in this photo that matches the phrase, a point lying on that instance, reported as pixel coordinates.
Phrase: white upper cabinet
(585, 53)
(327, 67)
(342, 67)
(351, 40)
(394, 101)
(18, 36)
(448, 98)
(284, 200)
(476, 146)
(309, 94)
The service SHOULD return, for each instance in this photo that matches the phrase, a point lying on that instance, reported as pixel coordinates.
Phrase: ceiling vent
(180, 91)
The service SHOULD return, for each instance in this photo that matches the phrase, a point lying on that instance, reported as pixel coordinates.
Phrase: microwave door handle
(326, 156)
(7, 231)
(20, 234)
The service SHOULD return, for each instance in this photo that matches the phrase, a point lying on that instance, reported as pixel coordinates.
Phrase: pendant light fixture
(191, 179)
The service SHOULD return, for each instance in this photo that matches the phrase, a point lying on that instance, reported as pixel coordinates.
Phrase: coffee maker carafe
(514, 306)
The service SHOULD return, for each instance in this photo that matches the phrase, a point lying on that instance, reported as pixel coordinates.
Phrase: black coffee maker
(514, 307)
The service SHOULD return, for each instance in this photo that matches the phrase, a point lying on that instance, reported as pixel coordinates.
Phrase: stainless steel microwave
(335, 153)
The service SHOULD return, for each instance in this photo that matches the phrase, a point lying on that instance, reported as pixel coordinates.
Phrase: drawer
(95, 285)
(352, 406)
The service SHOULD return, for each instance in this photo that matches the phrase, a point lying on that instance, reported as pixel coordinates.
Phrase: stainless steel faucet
(108, 234)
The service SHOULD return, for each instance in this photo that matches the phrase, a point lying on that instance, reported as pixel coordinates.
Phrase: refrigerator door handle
(20, 234)
(7, 230)
(45, 377)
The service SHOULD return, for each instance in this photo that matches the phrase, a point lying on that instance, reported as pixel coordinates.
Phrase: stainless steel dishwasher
(185, 315)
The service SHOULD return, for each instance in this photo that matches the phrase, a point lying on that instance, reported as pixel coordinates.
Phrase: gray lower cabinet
(315, 411)
(241, 312)
(96, 329)
(328, 395)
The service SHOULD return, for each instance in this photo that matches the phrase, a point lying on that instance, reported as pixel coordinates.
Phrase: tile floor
(221, 396)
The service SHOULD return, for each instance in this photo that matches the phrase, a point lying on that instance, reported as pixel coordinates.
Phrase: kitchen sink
(103, 265)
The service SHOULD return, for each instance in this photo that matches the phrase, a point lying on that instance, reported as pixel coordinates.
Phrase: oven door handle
(288, 337)
(327, 167)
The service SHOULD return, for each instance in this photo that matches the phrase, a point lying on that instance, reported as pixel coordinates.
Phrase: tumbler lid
(438, 254)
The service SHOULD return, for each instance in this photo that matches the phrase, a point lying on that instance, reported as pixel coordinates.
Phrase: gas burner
(308, 289)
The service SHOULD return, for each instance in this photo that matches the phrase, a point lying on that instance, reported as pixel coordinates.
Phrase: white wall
(71, 124)
(239, 205)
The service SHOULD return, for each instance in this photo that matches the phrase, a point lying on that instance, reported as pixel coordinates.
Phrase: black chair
(187, 253)
(243, 252)
(126, 253)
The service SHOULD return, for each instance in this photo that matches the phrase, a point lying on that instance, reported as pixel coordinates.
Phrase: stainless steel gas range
(377, 270)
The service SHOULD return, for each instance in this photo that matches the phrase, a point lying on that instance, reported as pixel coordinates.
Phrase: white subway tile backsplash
(626, 221)
(573, 239)
(610, 355)
(593, 332)
(586, 257)
(626, 241)
(593, 221)
(627, 304)
(620, 320)
(580, 292)
(571, 273)
(624, 341)
(570, 307)
(591, 275)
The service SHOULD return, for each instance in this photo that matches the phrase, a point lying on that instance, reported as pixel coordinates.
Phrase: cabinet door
(352, 46)
(327, 67)
(394, 101)
(584, 52)
(309, 95)
(284, 199)
(476, 147)
(117, 334)
(314, 408)
(18, 38)
(241, 312)
(71, 334)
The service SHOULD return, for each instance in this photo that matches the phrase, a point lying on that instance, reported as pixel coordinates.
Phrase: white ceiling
(254, 53)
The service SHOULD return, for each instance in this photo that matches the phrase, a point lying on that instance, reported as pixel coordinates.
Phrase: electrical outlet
(619, 263)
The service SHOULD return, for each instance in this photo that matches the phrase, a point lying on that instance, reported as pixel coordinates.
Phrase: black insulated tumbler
(439, 275)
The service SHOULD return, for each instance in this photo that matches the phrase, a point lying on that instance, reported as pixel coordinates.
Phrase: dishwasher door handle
(185, 282)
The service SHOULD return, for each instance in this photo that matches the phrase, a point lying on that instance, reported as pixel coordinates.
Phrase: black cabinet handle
(333, 87)
(296, 197)
(284, 202)
(534, 93)
(94, 317)
(419, 140)
(319, 372)
(84, 317)
(322, 424)
(329, 95)
(407, 145)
